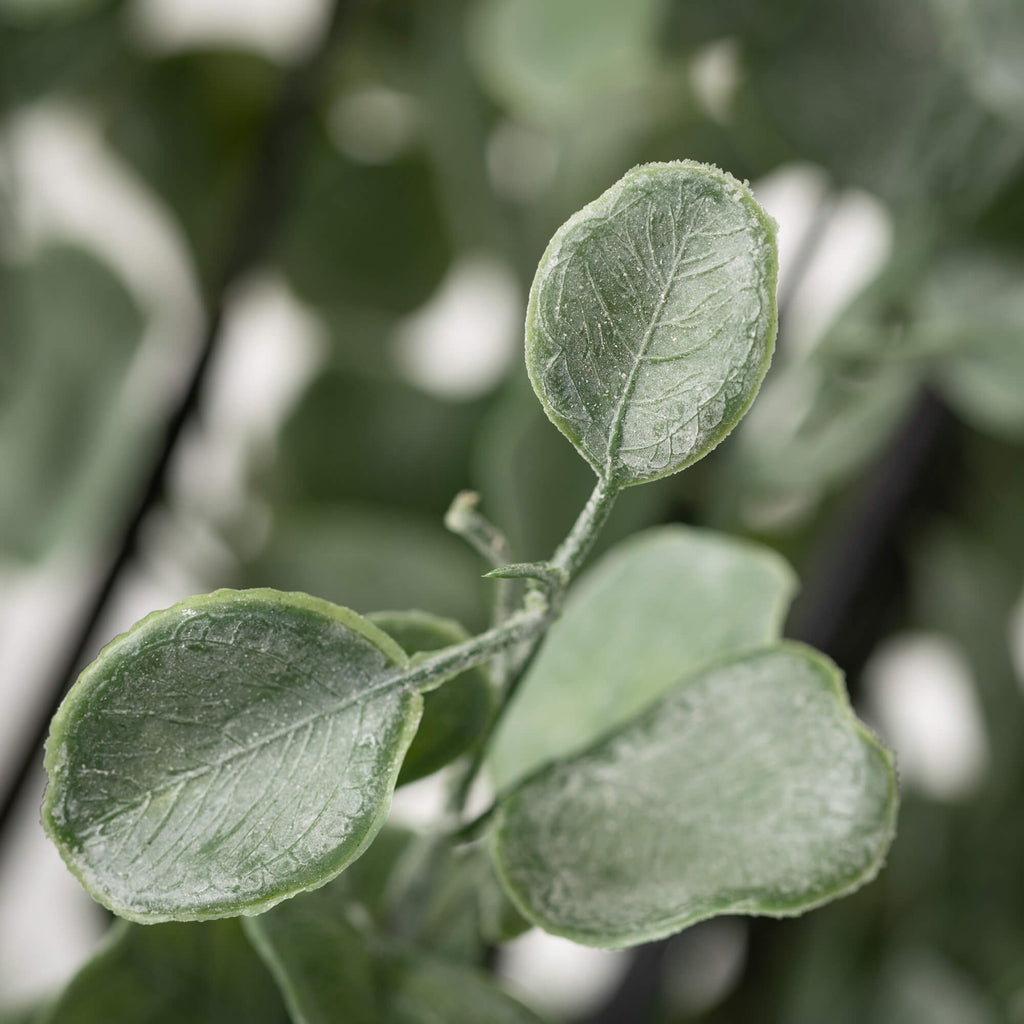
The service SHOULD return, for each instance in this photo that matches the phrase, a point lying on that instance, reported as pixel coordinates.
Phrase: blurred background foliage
(327, 221)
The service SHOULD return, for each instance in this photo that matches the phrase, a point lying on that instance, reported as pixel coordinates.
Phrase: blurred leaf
(817, 422)
(633, 353)
(190, 124)
(356, 437)
(369, 558)
(71, 332)
(174, 801)
(659, 607)
(49, 52)
(323, 961)
(985, 40)
(863, 87)
(364, 235)
(549, 62)
(749, 788)
(453, 715)
(920, 985)
(971, 307)
(171, 973)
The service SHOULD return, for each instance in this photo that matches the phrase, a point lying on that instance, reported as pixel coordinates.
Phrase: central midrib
(627, 391)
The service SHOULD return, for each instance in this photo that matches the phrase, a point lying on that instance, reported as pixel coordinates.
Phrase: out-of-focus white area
(282, 32)
(48, 926)
(463, 341)
(703, 965)
(852, 246)
(716, 72)
(373, 125)
(921, 694)
(269, 350)
(68, 186)
(1015, 636)
(558, 977)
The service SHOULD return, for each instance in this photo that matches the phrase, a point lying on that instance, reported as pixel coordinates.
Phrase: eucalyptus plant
(658, 753)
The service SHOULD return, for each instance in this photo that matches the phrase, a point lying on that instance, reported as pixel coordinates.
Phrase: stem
(527, 624)
(574, 548)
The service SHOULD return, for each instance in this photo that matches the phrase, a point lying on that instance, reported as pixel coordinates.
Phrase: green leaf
(324, 958)
(190, 124)
(453, 715)
(227, 753)
(550, 61)
(71, 332)
(372, 557)
(202, 973)
(651, 320)
(750, 788)
(364, 235)
(970, 309)
(658, 607)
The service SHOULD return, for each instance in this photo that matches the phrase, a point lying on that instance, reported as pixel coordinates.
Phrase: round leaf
(664, 604)
(652, 319)
(749, 789)
(226, 753)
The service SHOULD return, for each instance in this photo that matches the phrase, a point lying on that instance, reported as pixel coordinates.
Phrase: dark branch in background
(274, 172)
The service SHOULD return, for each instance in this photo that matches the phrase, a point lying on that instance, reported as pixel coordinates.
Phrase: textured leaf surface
(202, 973)
(453, 715)
(324, 960)
(652, 319)
(749, 789)
(656, 608)
(226, 753)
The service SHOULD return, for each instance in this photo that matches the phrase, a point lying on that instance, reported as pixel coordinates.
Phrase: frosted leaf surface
(226, 753)
(652, 319)
(656, 608)
(750, 788)
(324, 959)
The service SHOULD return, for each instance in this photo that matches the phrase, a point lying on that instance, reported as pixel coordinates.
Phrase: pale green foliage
(652, 319)
(657, 608)
(665, 759)
(749, 788)
(226, 753)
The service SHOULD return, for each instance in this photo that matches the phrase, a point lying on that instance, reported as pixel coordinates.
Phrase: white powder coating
(750, 788)
(225, 754)
(652, 319)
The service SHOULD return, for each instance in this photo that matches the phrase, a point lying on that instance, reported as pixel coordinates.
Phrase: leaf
(202, 973)
(426, 440)
(71, 332)
(324, 959)
(547, 62)
(970, 309)
(658, 607)
(749, 789)
(190, 124)
(453, 715)
(364, 235)
(227, 753)
(651, 320)
(372, 557)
